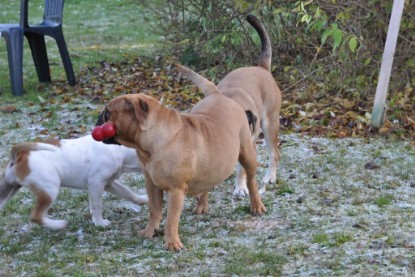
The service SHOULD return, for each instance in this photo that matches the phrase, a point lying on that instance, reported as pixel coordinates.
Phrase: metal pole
(386, 66)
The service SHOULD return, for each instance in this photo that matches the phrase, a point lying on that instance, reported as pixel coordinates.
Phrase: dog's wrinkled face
(128, 113)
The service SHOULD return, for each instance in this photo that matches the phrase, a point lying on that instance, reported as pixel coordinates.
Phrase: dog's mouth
(103, 117)
(111, 141)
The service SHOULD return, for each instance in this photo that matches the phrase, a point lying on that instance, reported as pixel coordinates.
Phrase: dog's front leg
(174, 209)
(155, 206)
(271, 129)
(119, 189)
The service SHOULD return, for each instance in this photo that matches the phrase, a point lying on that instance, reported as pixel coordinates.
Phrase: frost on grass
(339, 207)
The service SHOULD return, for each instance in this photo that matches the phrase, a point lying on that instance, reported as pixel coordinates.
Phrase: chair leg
(15, 56)
(40, 56)
(66, 59)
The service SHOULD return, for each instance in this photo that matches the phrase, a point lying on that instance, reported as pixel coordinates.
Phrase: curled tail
(31, 146)
(266, 49)
(206, 86)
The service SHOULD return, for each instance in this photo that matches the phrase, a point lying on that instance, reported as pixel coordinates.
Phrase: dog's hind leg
(202, 203)
(240, 182)
(270, 127)
(44, 201)
(122, 191)
(95, 191)
(241, 189)
(247, 158)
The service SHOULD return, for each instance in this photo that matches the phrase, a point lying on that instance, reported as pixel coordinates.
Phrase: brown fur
(43, 203)
(22, 165)
(254, 88)
(185, 154)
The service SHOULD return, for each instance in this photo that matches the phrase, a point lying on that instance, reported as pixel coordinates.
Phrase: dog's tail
(266, 49)
(31, 146)
(206, 86)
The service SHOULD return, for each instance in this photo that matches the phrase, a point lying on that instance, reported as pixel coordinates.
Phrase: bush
(330, 46)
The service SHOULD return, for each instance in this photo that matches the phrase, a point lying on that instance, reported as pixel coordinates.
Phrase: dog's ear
(141, 110)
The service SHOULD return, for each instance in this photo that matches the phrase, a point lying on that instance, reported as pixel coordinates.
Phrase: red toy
(105, 131)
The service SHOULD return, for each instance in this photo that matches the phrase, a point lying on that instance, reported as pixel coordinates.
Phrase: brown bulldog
(255, 89)
(185, 153)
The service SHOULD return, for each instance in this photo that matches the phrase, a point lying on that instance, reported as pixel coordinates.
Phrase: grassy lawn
(94, 31)
(340, 207)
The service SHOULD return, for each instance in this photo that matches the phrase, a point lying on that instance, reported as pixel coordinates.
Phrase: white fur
(81, 163)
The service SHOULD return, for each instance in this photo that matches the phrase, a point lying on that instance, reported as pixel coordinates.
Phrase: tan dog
(255, 89)
(185, 154)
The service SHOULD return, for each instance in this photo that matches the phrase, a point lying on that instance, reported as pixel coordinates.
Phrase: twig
(302, 79)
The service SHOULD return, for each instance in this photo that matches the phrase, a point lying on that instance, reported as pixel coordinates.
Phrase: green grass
(320, 238)
(94, 31)
(330, 232)
(383, 200)
(255, 263)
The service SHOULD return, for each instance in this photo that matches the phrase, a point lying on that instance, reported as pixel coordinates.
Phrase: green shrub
(335, 46)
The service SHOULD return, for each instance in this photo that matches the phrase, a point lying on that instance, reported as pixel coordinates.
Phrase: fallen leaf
(8, 109)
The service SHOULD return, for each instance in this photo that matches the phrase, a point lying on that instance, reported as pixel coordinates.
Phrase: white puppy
(81, 163)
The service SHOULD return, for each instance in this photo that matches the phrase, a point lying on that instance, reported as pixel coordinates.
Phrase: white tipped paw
(54, 224)
(101, 222)
(240, 191)
(142, 199)
(263, 189)
(269, 179)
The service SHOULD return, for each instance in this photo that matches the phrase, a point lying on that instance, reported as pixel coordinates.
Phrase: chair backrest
(53, 11)
(23, 13)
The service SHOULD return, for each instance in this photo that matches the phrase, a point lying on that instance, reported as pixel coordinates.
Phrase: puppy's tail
(206, 86)
(266, 49)
(31, 146)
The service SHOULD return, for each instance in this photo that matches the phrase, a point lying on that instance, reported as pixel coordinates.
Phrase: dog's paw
(54, 224)
(173, 245)
(200, 209)
(101, 222)
(258, 209)
(240, 191)
(262, 189)
(270, 178)
(142, 199)
(147, 233)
